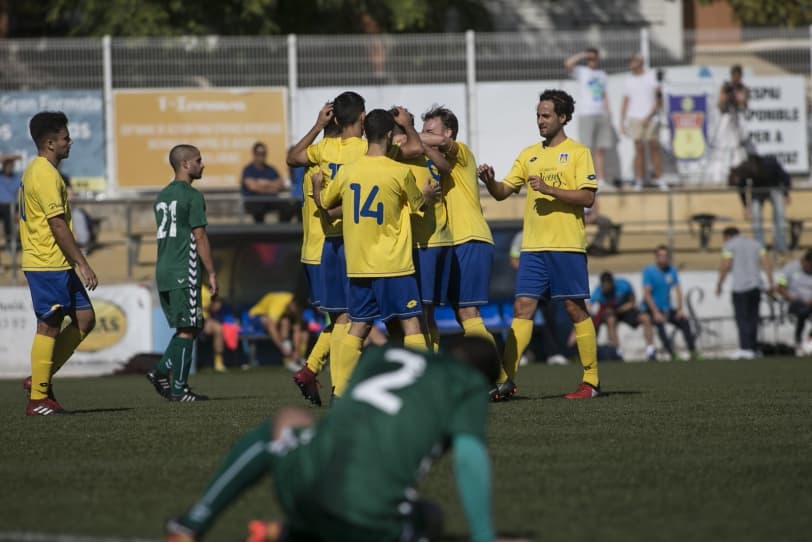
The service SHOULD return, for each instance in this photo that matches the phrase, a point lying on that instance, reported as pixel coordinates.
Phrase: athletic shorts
(384, 298)
(631, 317)
(595, 131)
(334, 282)
(182, 307)
(469, 282)
(433, 271)
(313, 276)
(55, 292)
(643, 132)
(552, 275)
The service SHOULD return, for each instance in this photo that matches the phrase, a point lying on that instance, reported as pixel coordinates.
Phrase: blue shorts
(384, 298)
(433, 270)
(313, 276)
(334, 281)
(470, 276)
(56, 291)
(552, 275)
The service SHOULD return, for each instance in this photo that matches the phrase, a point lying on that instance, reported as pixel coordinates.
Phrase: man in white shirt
(639, 119)
(594, 120)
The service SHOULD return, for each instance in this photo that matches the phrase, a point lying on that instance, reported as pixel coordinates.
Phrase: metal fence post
(645, 49)
(109, 129)
(293, 82)
(470, 90)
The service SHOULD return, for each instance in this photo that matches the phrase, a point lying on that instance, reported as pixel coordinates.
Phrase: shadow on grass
(603, 395)
(455, 537)
(237, 398)
(97, 410)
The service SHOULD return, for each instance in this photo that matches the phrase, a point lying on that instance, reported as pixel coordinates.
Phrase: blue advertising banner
(85, 111)
(688, 121)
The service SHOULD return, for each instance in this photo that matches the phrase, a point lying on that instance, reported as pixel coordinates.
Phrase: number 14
(366, 211)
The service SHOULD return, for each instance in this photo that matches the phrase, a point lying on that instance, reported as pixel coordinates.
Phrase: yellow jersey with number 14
(549, 223)
(461, 192)
(330, 154)
(377, 196)
(42, 196)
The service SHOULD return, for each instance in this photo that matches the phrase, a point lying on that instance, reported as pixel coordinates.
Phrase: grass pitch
(715, 450)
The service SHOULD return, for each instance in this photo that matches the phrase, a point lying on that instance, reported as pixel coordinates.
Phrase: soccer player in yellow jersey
(472, 252)
(49, 256)
(561, 181)
(377, 195)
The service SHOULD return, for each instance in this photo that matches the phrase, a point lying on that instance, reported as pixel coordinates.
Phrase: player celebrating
(377, 196)
(180, 215)
(561, 181)
(472, 252)
(342, 480)
(49, 255)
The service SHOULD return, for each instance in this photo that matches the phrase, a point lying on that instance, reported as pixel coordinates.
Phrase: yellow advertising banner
(224, 124)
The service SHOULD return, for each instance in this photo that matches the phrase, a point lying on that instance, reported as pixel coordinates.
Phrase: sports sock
(66, 343)
(416, 341)
(348, 358)
(218, 362)
(434, 336)
(475, 327)
(246, 463)
(587, 350)
(164, 366)
(181, 364)
(521, 331)
(42, 354)
(336, 344)
(321, 351)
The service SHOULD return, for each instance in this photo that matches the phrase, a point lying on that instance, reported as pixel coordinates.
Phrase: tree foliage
(771, 12)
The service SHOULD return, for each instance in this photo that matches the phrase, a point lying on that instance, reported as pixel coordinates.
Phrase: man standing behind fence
(639, 120)
(561, 182)
(743, 259)
(180, 215)
(49, 254)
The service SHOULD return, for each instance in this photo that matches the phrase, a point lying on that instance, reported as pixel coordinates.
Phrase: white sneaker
(557, 359)
(651, 353)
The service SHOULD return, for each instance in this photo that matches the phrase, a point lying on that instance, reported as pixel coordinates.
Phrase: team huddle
(392, 227)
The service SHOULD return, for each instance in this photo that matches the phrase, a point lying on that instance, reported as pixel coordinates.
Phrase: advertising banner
(85, 112)
(123, 329)
(224, 124)
(688, 123)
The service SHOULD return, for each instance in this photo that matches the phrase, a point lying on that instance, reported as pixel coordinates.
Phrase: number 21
(170, 210)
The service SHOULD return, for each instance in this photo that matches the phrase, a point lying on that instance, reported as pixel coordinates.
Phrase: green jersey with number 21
(179, 208)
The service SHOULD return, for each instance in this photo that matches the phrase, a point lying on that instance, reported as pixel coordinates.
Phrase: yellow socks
(321, 352)
(42, 355)
(65, 345)
(475, 327)
(434, 338)
(416, 342)
(219, 366)
(521, 331)
(588, 350)
(342, 367)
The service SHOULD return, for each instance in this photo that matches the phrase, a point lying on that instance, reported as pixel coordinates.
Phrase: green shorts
(182, 307)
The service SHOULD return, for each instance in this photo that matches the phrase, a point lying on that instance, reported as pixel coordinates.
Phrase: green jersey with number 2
(179, 208)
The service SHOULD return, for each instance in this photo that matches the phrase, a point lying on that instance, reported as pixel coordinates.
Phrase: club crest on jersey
(411, 304)
(563, 158)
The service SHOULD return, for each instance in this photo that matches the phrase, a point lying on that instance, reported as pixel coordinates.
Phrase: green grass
(714, 450)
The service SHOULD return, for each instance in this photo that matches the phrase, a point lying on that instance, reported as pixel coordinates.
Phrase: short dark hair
(446, 116)
(332, 130)
(45, 124)
(377, 124)
(179, 153)
(730, 231)
(258, 145)
(347, 107)
(478, 353)
(607, 276)
(593, 50)
(736, 68)
(661, 247)
(563, 103)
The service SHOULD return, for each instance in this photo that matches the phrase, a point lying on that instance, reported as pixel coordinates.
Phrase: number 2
(170, 210)
(378, 390)
(366, 211)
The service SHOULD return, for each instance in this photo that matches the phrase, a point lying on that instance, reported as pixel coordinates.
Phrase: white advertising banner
(123, 329)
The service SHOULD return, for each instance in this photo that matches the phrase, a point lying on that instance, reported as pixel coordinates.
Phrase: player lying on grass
(351, 475)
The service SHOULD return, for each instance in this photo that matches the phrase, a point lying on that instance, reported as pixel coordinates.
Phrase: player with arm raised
(561, 181)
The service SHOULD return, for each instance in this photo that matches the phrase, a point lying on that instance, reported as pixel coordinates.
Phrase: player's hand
(718, 290)
(87, 275)
(659, 317)
(485, 173)
(325, 115)
(401, 115)
(538, 184)
(213, 284)
(432, 191)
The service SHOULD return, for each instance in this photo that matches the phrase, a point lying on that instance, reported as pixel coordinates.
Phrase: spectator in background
(605, 231)
(639, 119)
(9, 185)
(212, 326)
(727, 145)
(795, 285)
(617, 303)
(760, 178)
(743, 259)
(594, 121)
(280, 314)
(85, 227)
(262, 186)
(659, 279)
